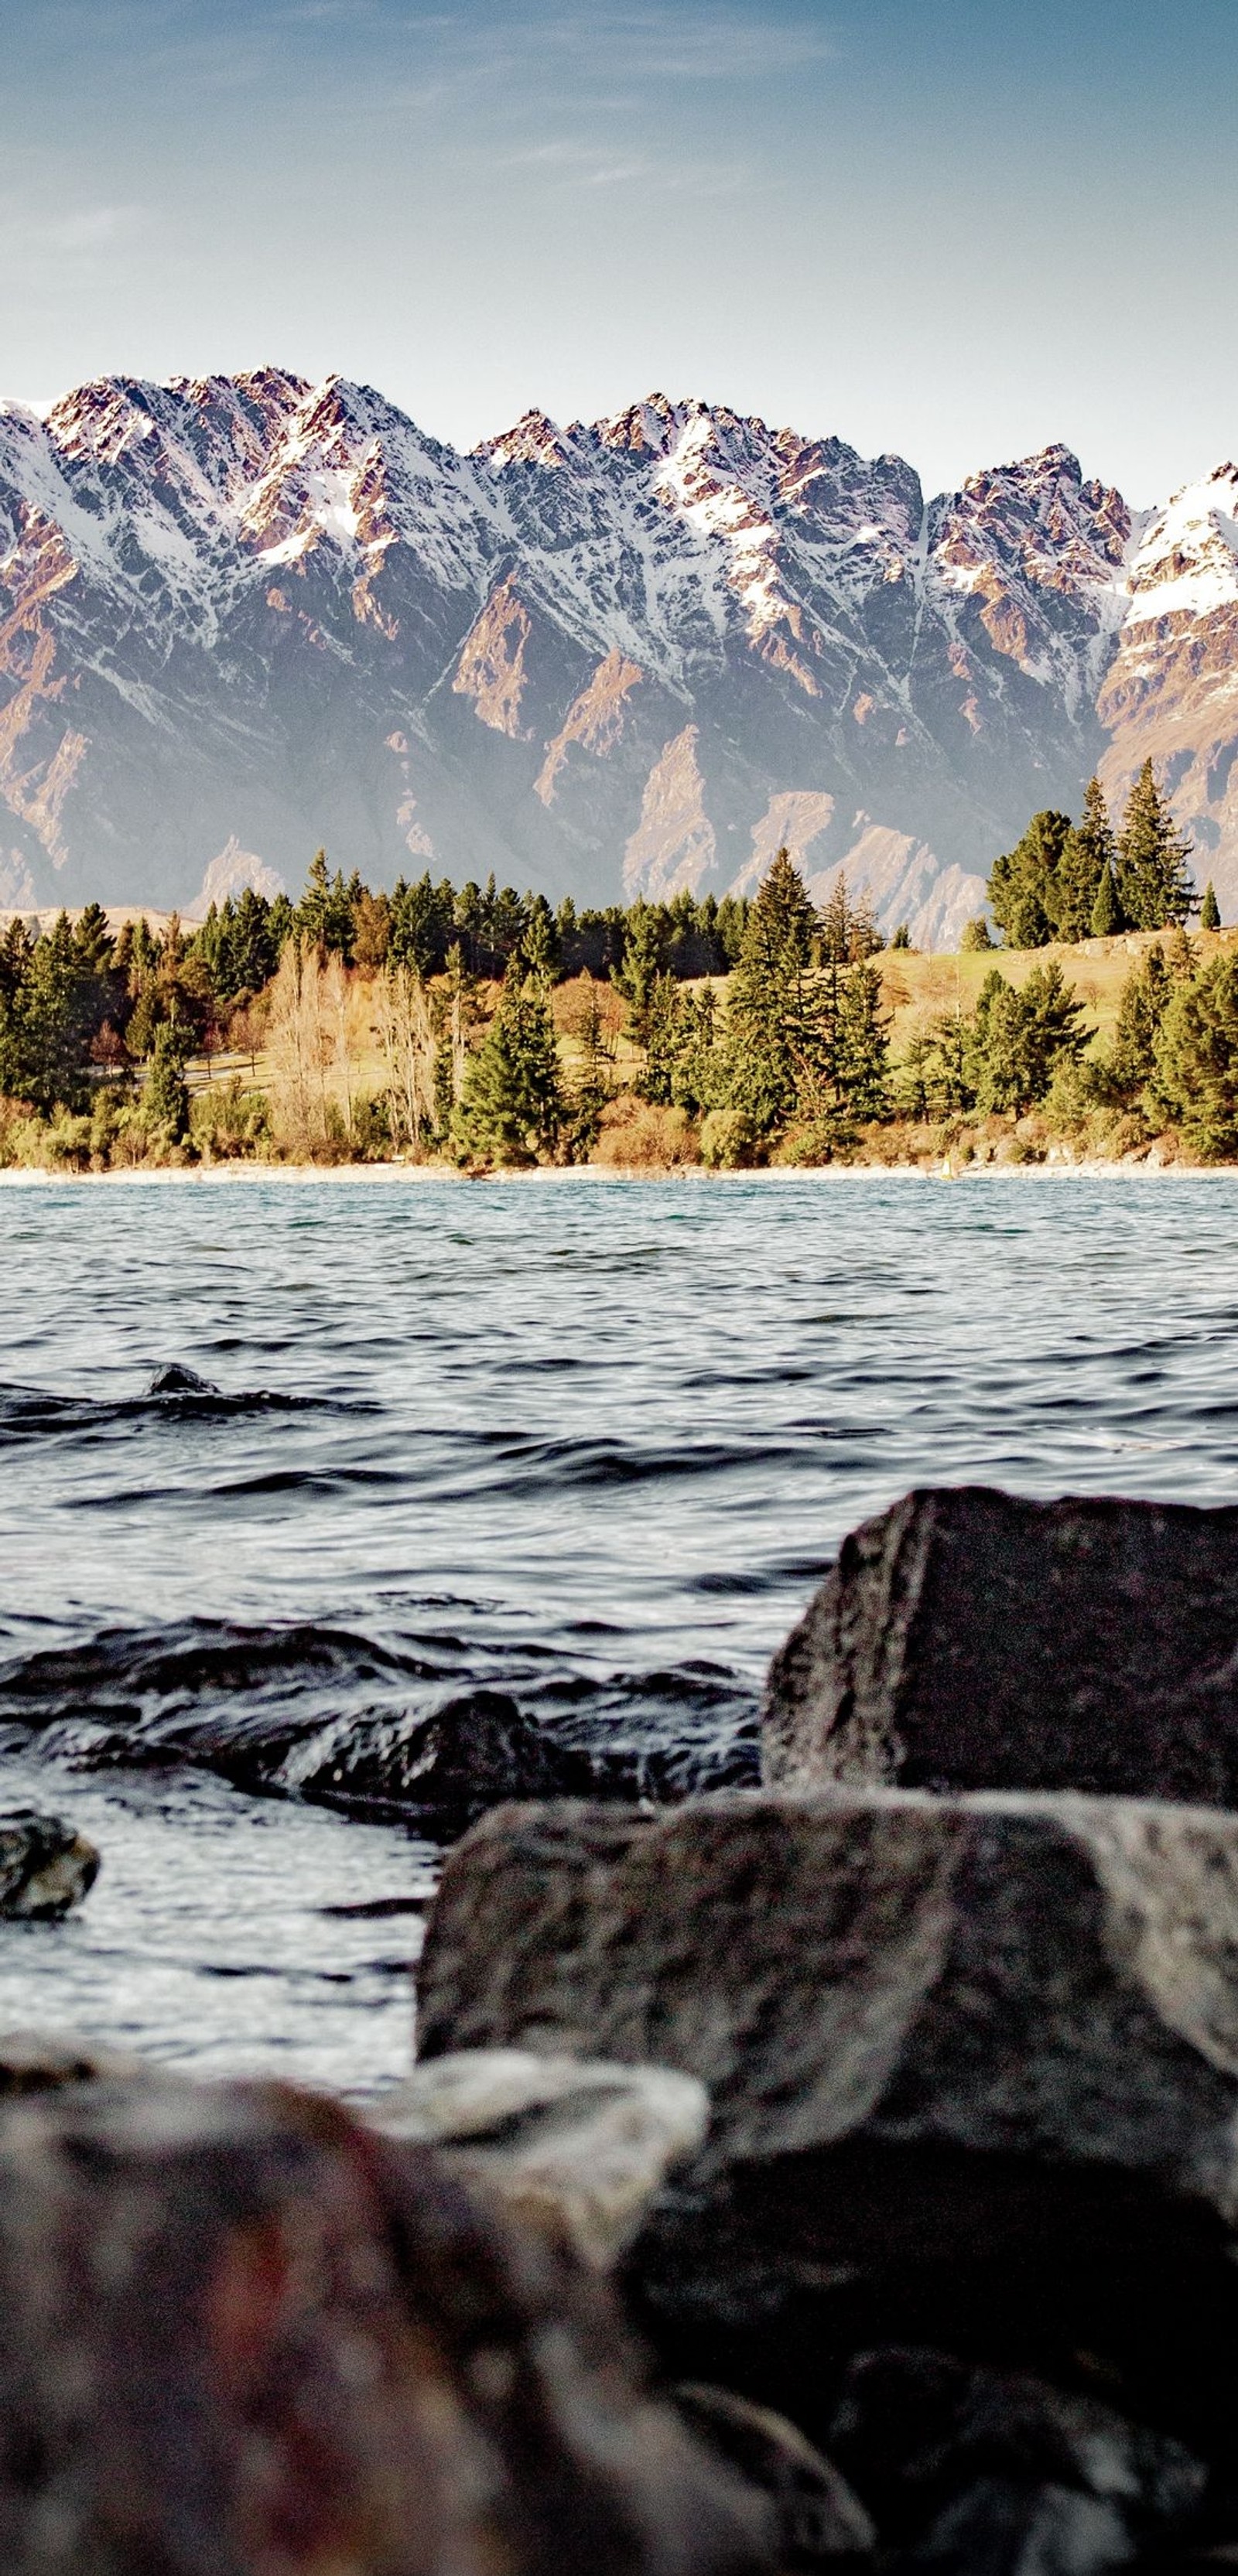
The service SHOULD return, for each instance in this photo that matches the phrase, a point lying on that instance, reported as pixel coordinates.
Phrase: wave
(174, 1394)
(433, 1728)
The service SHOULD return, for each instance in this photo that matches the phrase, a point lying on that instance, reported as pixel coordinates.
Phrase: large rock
(244, 2336)
(973, 2065)
(969, 1640)
(561, 2141)
(46, 1868)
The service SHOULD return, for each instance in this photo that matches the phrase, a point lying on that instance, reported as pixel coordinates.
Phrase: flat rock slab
(46, 1866)
(970, 1640)
(973, 2064)
(245, 2335)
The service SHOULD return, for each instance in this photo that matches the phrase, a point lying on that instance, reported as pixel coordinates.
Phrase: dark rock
(581, 2147)
(967, 1639)
(919, 2432)
(176, 1380)
(973, 2066)
(244, 2334)
(45, 1867)
(999, 2528)
(818, 2516)
(445, 1768)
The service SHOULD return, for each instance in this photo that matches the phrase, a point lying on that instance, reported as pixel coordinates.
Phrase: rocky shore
(838, 2172)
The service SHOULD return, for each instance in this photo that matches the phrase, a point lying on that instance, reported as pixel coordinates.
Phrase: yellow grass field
(918, 987)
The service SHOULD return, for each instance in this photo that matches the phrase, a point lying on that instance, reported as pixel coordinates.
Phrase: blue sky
(952, 229)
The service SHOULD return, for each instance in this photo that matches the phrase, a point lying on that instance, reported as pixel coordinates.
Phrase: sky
(956, 229)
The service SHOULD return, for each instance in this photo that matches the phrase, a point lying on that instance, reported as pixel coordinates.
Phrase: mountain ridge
(251, 613)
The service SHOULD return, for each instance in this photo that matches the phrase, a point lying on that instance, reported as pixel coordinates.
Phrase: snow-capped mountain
(246, 615)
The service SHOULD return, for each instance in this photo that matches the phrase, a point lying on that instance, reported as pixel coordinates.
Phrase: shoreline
(301, 1175)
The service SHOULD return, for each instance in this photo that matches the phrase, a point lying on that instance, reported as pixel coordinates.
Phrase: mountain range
(247, 615)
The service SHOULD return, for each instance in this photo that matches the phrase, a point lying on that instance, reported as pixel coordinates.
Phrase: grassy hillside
(917, 987)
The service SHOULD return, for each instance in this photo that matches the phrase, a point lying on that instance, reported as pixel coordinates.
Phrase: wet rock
(582, 2147)
(967, 1639)
(177, 1380)
(924, 2435)
(444, 1768)
(45, 1867)
(973, 2066)
(818, 2516)
(245, 2334)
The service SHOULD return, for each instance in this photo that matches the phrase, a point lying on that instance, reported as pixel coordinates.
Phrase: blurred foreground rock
(967, 1639)
(564, 2142)
(45, 1867)
(38, 2061)
(973, 2065)
(246, 2336)
(819, 2520)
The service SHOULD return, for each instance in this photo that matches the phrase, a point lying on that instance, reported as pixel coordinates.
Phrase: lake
(586, 1441)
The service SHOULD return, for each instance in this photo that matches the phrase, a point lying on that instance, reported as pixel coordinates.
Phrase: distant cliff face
(247, 615)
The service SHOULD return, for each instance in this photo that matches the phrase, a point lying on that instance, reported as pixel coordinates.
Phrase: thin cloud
(585, 165)
(83, 232)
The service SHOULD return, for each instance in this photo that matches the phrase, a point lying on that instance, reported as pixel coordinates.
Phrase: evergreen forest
(479, 1029)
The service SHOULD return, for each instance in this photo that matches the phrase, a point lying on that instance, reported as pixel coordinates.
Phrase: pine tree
(700, 1077)
(512, 1107)
(1210, 910)
(637, 977)
(836, 920)
(1106, 911)
(664, 1039)
(1023, 887)
(165, 1099)
(1146, 996)
(1017, 1039)
(1197, 1059)
(1088, 853)
(775, 1012)
(861, 1045)
(539, 944)
(1155, 886)
(325, 912)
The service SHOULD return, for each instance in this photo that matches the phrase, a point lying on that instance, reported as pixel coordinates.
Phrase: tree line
(462, 1025)
(1069, 881)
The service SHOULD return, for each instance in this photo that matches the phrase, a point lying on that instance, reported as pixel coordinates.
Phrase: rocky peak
(1186, 560)
(534, 440)
(1036, 519)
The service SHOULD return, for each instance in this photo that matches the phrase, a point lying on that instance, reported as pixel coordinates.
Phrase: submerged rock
(559, 2140)
(967, 1639)
(245, 2334)
(46, 1868)
(973, 2065)
(175, 1379)
(444, 1768)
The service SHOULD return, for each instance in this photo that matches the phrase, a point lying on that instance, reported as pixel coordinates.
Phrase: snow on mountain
(246, 615)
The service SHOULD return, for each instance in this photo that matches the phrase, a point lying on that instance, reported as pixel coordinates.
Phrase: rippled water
(588, 1442)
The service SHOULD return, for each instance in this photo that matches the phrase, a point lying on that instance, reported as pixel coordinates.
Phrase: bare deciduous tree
(408, 1044)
